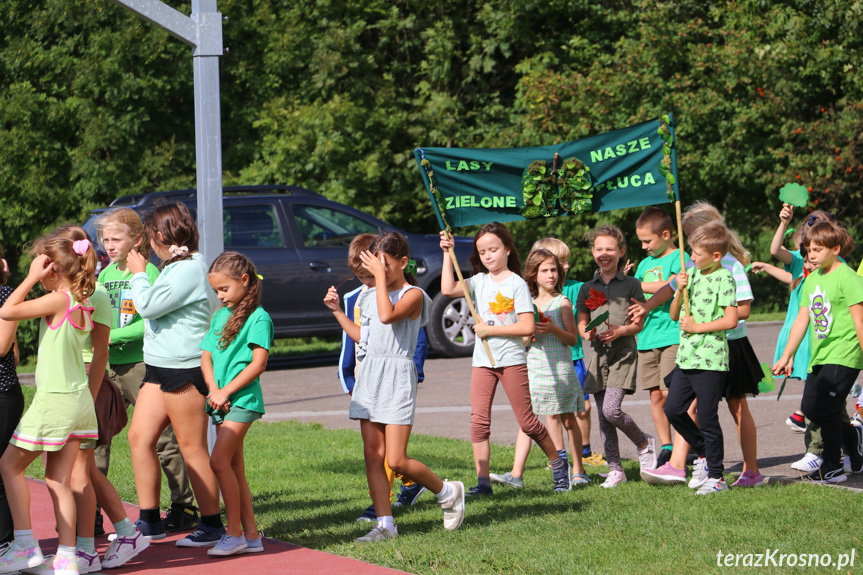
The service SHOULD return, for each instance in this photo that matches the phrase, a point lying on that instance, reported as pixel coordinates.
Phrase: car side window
(326, 227)
(255, 226)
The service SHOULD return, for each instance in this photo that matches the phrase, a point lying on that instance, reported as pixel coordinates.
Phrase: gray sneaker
(712, 486)
(699, 473)
(228, 545)
(507, 479)
(378, 533)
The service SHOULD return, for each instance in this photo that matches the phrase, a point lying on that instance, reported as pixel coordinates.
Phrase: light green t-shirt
(101, 302)
(832, 336)
(659, 329)
(570, 290)
(229, 362)
(499, 303)
(709, 295)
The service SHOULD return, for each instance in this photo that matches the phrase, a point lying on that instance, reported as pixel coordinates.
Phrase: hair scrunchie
(177, 251)
(80, 247)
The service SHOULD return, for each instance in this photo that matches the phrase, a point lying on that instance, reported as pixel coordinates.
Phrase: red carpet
(164, 558)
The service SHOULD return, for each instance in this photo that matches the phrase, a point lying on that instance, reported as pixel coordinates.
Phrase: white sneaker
(857, 421)
(712, 486)
(15, 558)
(614, 479)
(123, 548)
(88, 563)
(379, 533)
(647, 456)
(453, 510)
(809, 463)
(699, 473)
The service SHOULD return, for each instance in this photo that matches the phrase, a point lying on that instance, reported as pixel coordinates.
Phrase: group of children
(172, 353)
(678, 326)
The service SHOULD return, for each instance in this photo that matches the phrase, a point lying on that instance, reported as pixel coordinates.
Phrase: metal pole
(202, 31)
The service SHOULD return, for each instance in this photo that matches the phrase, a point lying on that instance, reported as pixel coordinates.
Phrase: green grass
(309, 486)
(295, 346)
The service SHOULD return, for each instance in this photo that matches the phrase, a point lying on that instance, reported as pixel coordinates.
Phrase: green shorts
(238, 414)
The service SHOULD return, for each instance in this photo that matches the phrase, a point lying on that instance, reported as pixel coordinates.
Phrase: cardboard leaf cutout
(597, 321)
(794, 194)
(594, 299)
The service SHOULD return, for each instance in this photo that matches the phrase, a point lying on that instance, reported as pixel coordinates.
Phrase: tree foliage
(333, 95)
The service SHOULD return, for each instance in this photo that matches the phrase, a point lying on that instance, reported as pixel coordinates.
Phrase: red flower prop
(594, 299)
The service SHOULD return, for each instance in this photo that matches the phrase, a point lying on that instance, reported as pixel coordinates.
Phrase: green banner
(619, 169)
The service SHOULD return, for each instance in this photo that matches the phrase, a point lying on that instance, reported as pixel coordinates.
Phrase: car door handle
(320, 267)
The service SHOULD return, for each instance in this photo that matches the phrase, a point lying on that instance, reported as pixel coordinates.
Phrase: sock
(445, 493)
(562, 454)
(65, 551)
(212, 521)
(585, 450)
(666, 447)
(150, 515)
(88, 544)
(797, 417)
(387, 523)
(124, 528)
(24, 538)
(558, 464)
(483, 481)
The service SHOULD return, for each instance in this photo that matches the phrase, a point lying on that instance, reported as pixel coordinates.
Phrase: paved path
(443, 409)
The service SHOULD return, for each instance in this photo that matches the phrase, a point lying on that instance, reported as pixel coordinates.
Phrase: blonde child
(236, 349)
(554, 387)
(384, 397)
(61, 418)
(11, 396)
(178, 306)
(506, 316)
(612, 364)
(831, 309)
(120, 231)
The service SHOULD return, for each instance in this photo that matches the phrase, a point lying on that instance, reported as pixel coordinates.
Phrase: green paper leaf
(767, 384)
(789, 232)
(794, 194)
(597, 321)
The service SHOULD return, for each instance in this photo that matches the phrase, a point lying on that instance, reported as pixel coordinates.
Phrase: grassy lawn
(309, 487)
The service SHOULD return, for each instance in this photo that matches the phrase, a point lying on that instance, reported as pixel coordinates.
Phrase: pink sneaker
(749, 479)
(56, 565)
(664, 475)
(16, 558)
(614, 479)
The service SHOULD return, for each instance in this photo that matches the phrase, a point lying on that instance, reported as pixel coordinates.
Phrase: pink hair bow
(80, 247)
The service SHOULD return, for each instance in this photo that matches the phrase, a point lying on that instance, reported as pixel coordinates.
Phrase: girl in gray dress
(384, 398)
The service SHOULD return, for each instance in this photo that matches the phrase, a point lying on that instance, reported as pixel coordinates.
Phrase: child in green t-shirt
(658, 341)
(702, 358)
(831, 309)
(236, 349)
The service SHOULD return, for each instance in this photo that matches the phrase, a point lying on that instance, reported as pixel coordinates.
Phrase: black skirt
(744, 370)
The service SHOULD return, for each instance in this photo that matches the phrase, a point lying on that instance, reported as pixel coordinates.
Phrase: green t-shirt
(101, 303)
(229, 362)
(127, 326)
(570, 290)
(832, 336)
(709, 295)
(659, 329)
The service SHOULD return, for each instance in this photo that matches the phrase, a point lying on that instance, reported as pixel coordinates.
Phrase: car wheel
(449, 329)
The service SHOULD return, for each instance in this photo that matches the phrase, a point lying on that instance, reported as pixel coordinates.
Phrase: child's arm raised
(47, 306)
(331, 300)
(772, 271)
(411, 303)
(777, 249)
(222, 397)
(448, 285)
(568, 334)
(785, 364)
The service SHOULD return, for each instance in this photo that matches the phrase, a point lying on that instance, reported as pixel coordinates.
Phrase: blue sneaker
(478, 490)
(253, 545)
(368, 515)
(202, 536)
(228, 545)
(151, 531)
(409, 495)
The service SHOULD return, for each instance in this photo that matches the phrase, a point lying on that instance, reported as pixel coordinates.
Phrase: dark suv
(299, 241)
